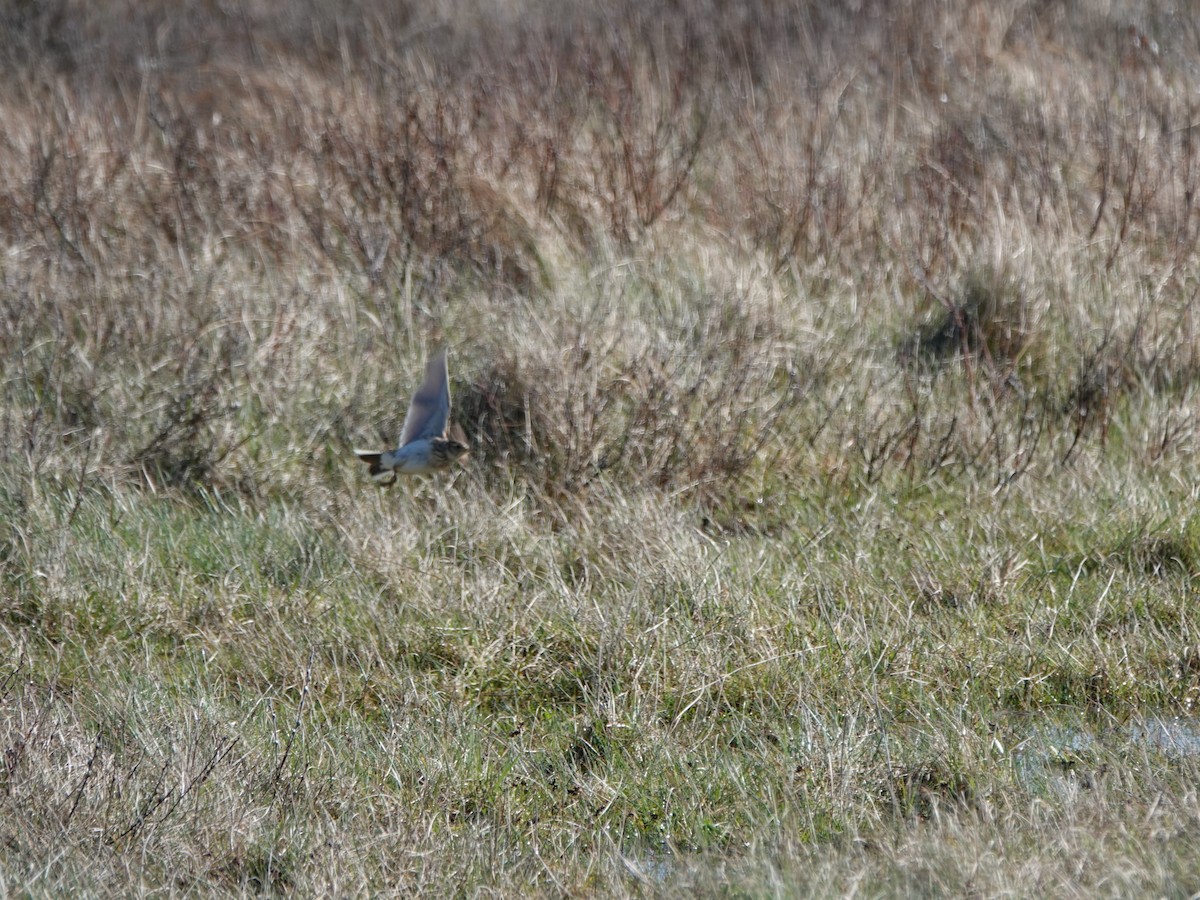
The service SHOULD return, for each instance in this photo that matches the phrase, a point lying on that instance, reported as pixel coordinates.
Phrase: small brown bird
(426, 445)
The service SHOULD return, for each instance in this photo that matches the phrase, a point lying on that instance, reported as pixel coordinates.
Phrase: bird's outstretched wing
(430, 407)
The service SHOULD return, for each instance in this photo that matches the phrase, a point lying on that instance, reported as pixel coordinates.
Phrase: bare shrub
(691, 413)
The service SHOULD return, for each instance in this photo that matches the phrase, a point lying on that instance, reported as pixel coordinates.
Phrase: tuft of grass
(989, 323)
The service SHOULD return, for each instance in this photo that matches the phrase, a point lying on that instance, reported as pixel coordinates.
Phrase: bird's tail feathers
(371, 459)
(380, 475)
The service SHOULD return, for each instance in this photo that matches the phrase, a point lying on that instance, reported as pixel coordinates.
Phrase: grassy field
(831, 372)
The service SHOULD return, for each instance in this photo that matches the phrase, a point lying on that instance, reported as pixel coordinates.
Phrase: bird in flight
(426, 445)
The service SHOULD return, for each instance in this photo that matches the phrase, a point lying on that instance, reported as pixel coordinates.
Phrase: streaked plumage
(426, 445)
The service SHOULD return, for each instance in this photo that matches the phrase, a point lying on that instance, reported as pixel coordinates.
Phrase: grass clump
(989, 324)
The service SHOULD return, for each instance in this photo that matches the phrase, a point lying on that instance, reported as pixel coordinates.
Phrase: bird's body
(426, 445)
